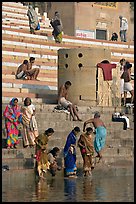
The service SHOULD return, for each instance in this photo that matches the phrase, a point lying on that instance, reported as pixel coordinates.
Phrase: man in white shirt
(123, 28)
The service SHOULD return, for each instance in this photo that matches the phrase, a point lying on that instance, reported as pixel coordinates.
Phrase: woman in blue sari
(70, 153)
(101, 133)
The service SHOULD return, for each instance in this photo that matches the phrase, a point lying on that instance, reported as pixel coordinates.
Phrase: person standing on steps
(56, 23)
(123, 28)
(62, 100)
(13, 118)
(30, 129)
(101, 133)
(70, 168)
(121, 67)
(127, 84)
(33, 19)
(85, 144)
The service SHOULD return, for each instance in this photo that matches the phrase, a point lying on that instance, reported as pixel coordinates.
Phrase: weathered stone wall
(91, 16)
(79, 67)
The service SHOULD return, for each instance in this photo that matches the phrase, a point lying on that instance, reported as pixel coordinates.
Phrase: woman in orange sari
(85, 143)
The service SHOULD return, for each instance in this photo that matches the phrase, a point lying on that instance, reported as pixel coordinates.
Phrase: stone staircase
(119, 143)
(18, 44)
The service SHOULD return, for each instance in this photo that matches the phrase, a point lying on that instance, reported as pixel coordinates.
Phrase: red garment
(107, 70)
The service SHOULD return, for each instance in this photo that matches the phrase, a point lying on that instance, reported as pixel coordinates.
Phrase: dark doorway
(101, 34)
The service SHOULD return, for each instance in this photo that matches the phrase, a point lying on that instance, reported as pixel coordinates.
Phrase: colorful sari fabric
(13, 118)
(30, 130)
(87, 151)
(41, 153)
(56, 23)
(70, 155)
(58, 38)
(100, 138)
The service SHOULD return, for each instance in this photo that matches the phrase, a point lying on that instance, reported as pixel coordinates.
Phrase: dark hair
(31, 58)
(68, 83)
(105, 61)
(25, 62)
(54, 151)
(15, 99)
(97, 115)
(127, 65)
(89, 129)
(26, 99)
(77, 129)
(56, 12)
(49, 130)
(122, 60)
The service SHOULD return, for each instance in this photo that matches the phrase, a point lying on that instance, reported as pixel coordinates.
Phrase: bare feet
(36, 79)
(74, 119)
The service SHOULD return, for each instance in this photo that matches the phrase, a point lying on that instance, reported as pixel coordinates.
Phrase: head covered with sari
(12, 101)
(12, 110)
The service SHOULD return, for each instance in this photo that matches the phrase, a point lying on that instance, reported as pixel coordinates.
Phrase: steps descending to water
(119, 142)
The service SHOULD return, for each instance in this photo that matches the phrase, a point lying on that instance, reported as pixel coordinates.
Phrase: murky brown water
(116, 185)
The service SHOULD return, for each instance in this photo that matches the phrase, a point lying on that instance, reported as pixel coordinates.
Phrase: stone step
(62, 123)
(18, 153)
(17, 163)
(38, 43)
(71, 41)
(59, 139)
(109, 155)
(83, 109)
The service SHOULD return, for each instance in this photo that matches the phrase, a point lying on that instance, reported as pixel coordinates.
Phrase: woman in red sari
(13, 118)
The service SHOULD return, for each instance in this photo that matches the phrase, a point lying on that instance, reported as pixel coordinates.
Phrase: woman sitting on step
(13, 118)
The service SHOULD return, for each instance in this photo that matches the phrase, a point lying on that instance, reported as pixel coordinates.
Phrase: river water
(113, 185)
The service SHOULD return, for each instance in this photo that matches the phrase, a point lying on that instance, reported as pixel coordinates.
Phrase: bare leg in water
(99, 155)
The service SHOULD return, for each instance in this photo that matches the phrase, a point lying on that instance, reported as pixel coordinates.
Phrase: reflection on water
(112, 186)
(70, 189)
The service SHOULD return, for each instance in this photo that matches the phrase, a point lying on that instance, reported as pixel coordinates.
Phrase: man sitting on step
(20, 74)
(25, 70)
(62, 100)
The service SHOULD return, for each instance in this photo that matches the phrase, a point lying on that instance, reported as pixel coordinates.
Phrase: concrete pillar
(78, 65)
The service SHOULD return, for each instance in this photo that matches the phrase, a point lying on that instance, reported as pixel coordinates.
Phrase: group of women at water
(16, 115)
(86, 145)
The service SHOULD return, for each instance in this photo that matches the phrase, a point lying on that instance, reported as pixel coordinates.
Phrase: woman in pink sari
(13, 118)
